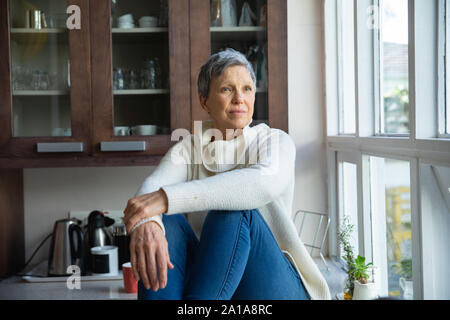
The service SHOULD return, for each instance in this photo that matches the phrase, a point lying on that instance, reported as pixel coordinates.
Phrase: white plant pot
(366, 291)
(407, 288)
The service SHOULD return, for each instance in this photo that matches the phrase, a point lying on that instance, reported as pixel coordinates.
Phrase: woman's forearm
(245, 188)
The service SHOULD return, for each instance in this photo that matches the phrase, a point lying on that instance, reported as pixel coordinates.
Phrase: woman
(243, 177)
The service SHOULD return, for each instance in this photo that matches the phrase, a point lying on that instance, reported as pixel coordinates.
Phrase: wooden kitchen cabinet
(98, 89)
(267, 38)
(38, 105)
(153, 61)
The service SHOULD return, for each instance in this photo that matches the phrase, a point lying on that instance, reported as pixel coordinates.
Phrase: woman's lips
(238, 112)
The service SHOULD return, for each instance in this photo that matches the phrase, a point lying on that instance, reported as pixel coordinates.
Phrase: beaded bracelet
(141, 222)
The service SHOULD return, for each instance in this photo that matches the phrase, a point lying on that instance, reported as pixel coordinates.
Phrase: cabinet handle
(60, 147)
(115, 146)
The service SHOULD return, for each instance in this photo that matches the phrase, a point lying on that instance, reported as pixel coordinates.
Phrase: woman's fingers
(142, 267)
(151, 268)
(149, 255)
(169, 263)
(161, 260)
(133, 260)
(144, 206)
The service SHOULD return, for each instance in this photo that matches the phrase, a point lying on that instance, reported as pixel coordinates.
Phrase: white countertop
(15, 288)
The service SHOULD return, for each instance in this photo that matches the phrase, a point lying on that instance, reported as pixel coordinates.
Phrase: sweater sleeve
(245, 188)
(172, 169)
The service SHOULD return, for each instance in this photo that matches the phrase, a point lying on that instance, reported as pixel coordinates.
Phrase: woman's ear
(203, 102)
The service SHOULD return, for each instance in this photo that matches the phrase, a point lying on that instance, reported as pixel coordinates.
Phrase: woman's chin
(240, 121)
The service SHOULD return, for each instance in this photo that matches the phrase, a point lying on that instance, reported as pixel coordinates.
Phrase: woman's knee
(247, 214)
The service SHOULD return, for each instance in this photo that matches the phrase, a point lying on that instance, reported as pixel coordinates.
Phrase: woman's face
(231, 99)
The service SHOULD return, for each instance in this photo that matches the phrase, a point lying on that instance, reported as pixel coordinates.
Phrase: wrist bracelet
(140, 222)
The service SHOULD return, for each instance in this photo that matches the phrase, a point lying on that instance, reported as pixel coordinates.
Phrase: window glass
(347, 68)
(391, 226)
(394, 87)
(349, 201)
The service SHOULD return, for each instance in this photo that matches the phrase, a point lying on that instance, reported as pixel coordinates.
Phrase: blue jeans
(236, 258)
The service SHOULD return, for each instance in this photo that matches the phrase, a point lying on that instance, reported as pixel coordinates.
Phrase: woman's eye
(226, 89)
(248, 89)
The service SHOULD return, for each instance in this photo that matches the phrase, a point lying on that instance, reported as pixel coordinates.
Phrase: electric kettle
(66, 248)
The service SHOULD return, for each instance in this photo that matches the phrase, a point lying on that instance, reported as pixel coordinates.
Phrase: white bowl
(148, 18)
(126, 18)
(146, 130)
(146, 24)
(126, 25)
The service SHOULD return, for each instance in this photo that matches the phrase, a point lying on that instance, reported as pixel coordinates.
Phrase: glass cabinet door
(242, 25)
(140, 62)
(40, 68)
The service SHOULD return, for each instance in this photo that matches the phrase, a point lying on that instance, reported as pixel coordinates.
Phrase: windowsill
(335, 276)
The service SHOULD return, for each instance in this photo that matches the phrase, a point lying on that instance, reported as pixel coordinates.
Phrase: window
(348, 207)
(391, 175)
(391, 226)
(347, 68)
(393, 67)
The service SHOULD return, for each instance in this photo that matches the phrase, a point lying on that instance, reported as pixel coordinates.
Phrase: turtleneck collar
(223, 155)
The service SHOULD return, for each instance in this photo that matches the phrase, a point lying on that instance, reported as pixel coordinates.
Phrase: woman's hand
(144, 206)
(150, 255)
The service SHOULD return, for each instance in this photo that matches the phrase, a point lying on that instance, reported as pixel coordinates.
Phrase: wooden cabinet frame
(102, 98)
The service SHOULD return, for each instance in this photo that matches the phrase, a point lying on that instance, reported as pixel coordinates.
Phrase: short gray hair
(217, 64)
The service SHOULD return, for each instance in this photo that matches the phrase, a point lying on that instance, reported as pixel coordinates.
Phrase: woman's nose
(238, 97)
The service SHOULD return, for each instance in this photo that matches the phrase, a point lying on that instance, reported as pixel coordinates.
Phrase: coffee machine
(96, 234)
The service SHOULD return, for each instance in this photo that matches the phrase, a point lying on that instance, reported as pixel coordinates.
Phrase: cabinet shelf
(47, 35)
(237, 29)
(140, 30)
(34, 31)
(41, 92)
(137, 35)
(140, 91)
(221, 34)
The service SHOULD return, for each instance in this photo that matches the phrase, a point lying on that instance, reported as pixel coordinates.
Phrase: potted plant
(344, 235)
(364, 287)
(404, 270)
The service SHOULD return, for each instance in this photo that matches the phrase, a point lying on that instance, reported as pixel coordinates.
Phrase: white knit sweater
(254, 170)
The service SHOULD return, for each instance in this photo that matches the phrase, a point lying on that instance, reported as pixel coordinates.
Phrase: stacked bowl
(126, 21)
(148, 22)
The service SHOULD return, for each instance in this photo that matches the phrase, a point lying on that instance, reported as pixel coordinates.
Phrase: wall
(307, 124)
(51, 193)
(435, 202)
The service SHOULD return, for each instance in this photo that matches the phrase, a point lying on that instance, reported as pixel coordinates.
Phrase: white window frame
(424, 144)
(446, 113)
(378, 78)
(443, 67)
(341, 86)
